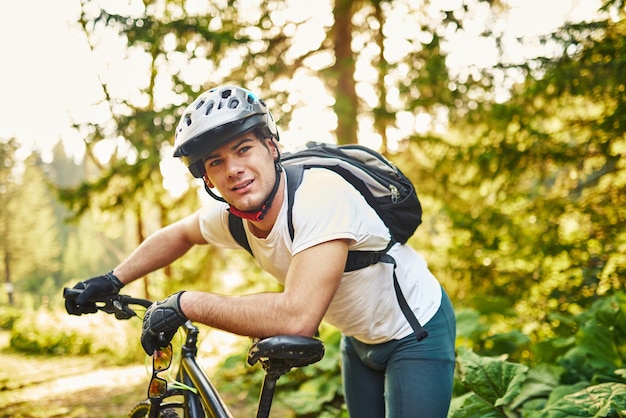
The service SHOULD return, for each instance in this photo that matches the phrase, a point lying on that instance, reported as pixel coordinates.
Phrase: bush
(8, 316)
(56, 333)
(588, 379)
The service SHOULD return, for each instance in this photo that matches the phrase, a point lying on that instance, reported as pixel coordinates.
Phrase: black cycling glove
(161, 322)
(105, 285)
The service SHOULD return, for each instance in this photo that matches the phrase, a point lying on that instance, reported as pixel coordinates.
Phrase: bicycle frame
(191, 374)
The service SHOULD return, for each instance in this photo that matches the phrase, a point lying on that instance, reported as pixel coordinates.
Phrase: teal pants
(402, 378)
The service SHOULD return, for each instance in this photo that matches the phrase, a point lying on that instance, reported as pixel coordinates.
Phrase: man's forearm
(254, 315)
(298, 309)
(157, 251)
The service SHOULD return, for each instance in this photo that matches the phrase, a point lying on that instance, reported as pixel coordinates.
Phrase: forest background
(514, 139)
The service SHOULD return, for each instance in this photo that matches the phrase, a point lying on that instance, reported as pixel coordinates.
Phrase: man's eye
(214, 163)
(243, 150)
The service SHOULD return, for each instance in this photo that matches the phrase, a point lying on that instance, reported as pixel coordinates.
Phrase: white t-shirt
(326, 207)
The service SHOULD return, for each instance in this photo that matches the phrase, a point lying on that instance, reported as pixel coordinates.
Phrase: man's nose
(234, 167)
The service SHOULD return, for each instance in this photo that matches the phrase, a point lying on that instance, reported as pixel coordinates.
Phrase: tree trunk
(382, 117)
(8, 284)
(140, 239)
(346, 101)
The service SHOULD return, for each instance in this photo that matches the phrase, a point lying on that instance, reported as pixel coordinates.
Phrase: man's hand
(105, 285)
(161, 322)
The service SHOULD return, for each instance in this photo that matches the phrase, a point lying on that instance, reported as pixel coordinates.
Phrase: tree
(534, 186)
(29, 235)
(7, 193)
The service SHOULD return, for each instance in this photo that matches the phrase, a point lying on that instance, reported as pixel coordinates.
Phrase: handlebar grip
(71, 293)
(117, 304)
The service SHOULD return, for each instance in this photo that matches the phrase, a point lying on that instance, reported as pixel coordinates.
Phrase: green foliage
(493, 384)
(8, 317)
(599, 350)
(56, 333)
(29, 245)
(498, 388)
(603, 400)
(531, 217)
(482, 332)
(315, 390)
(234, 376)
(588, 379)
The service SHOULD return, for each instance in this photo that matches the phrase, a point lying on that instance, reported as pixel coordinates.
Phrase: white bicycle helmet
(216, 117)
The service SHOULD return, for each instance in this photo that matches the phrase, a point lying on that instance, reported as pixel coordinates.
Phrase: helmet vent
(199, 105)
(188, 119)
(233, 103)
(209, 107)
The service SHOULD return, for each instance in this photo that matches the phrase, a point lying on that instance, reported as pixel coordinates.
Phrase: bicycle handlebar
(119, 305)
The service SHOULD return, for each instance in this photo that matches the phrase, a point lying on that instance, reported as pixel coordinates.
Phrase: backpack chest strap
(361, 259)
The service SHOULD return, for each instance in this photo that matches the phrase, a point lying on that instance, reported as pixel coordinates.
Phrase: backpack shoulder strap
(294, 178)
(294, 175)
(235, 224)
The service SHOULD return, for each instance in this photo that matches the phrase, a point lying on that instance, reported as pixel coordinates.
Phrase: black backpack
(385, 188)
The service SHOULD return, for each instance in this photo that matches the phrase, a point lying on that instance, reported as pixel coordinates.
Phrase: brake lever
(115, 306)
(123, 311)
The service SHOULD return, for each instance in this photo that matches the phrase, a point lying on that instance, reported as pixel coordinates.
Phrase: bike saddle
(297, 350)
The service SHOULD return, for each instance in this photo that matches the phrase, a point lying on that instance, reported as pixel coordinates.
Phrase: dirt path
(41, 387)
(71, 387)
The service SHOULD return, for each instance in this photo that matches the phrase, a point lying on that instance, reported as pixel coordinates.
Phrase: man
(228, 137)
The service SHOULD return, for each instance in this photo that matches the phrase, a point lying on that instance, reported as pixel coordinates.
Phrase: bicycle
(193, 394)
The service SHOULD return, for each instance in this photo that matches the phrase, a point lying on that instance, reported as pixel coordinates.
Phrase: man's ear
(207, 181)
(273, 147)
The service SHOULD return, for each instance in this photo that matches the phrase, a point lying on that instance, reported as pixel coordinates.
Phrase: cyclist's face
(243, 171)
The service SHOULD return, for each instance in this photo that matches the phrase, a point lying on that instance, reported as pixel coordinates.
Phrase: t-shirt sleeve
(214, 225)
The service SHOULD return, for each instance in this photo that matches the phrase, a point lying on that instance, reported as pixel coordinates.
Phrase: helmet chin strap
(253, 215)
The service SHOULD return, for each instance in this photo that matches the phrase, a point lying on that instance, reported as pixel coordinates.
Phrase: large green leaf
(600, 345)
(539, 384)
(494, 380)
(311, 396)
(471, 405)
(468, 324)
(604, 400)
